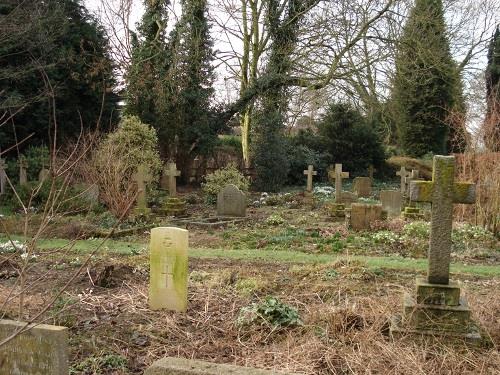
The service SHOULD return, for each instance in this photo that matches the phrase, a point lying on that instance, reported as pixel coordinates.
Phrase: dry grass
(344, 331)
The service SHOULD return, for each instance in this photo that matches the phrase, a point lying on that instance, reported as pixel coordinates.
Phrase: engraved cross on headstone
(442, 192)
(338, 175)
(142, 177)
(3, 176)
(171, 172)
(23, 165)
(403, 173)
(310, 172)
(167, 272)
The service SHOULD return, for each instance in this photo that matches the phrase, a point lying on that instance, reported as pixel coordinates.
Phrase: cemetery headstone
(23, 166)
(231, 201)
(363, 214)
(338, 175)
(168, 275)
(362, 186)
(412, 211)
(142, 178)
(3, 176)
(310, 172)
(44, 173)
(42, 349)
(170, 173)
(391, 202)
(438, 307)
(403, 174)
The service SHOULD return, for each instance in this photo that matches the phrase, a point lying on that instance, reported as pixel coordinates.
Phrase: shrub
(214, 182)
(300, 156)
(36, 157)
(270, 311)
(417, 229)
(117, 158)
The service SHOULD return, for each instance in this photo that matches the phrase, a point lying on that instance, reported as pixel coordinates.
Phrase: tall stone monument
(173, 205)
(168, 275)
(171, 173)
(142, 178)
(403, 174)
(438, 308)
(41, 349)
(3, 176)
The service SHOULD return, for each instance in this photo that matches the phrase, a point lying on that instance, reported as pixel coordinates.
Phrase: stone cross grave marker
(338, 175)
(171, 172)
(142, 178)
(23, 166)
(42, 349)
(442, 192)
(414, 175)
(310, 172)
(3, 176)
(168, 277)
(231, 202)
(403, 173)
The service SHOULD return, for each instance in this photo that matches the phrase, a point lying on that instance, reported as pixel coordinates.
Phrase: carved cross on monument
(23, 165)
(310, 172)
(171, 172)
(403, 173)
(442, 192)
(338, 175)
(3, 176)
(142, 177)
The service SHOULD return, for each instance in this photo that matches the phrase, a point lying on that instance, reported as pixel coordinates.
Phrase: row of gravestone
(437, 309)
(23, 175)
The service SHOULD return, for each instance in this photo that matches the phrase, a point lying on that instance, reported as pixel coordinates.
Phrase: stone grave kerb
(310, 172)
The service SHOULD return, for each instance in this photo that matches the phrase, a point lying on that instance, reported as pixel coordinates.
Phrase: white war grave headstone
(168, 275)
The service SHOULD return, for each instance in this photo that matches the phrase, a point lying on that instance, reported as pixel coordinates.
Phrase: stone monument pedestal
(436, 310)
(411, 212)
(174, 207)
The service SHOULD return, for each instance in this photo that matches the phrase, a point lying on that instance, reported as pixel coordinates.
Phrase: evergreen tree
(492, 121)
(426, 81)
(53, 48)
(147, 74)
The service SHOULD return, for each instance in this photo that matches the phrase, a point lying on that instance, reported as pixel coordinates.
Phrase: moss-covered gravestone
(168, 276)
(142, 178)
(438, 308)
(363, 214)
(41, 349)
(231, 202)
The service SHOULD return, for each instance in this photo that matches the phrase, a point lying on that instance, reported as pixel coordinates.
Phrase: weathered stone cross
(23, 165)
(403, 173)
(310, 172)
(338, 175)
(142, 177)
(171, 172)
(414, 175)
(442, 192)
(3, 176)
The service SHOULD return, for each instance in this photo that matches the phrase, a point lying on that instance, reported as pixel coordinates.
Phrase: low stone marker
(183, 366)
(362, 186)
(391, 202)
(23, 166)
(43, 349)
(3, 176)
(438, 308)
(168, 273)
(43, 174)
(141, 178)
(363, 214)
(231, 202)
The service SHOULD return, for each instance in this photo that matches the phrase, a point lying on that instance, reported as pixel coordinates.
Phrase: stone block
(174, 206)
(182, 366)
(436, 317)
(362, 215)
(168, 277)
(438, 294)
(43, 349)
(335, 209)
